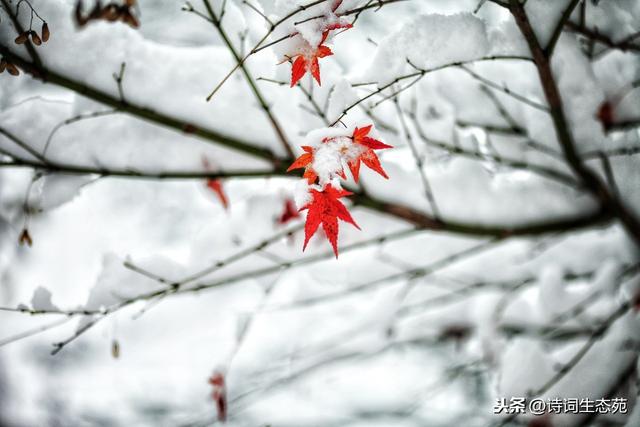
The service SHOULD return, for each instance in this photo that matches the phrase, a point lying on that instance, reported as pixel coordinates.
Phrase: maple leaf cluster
(324, 207)
(324, 164)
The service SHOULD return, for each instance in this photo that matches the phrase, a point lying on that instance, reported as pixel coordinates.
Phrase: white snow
(41, 299)
(428, 41)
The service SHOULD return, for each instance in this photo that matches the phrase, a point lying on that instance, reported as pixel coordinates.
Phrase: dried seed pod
(22, 37)
(80, 19)
(110, 13)
(12, 69)
(129, 19)
(35, 38)
(3, 65)
(115, 349)
(45, 32)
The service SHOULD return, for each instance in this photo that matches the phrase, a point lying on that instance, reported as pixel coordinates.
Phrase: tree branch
(624, 45)
(254, 88)
(41, 72)
(590, 179)
(557, 31)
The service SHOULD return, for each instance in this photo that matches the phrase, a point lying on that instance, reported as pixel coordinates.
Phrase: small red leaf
(216, 186)
(289, 213)
(301, 162)
(374, 144)
(360, 133)
(304, 161)
(310, 176)
(606, 114)
(368, 156)
(298, 70)
(315, 70)
(219, 395)
(370, 159)
(354, 166)
(338, 26)
(323, 51)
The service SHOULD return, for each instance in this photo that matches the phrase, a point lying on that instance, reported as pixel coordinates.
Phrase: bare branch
(419, 164)
(138, 111)
(557, 31)
(254, 88)
(593, 183)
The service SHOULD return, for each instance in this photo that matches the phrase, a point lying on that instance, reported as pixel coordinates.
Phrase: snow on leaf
(325, 209)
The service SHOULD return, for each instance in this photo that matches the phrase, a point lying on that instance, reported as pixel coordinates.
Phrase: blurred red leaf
(290, 212)
(219, 394)
(216, 186)
(606, 114)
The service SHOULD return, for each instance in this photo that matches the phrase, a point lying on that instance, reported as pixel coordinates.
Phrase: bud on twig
(25, 237)
(115, 349)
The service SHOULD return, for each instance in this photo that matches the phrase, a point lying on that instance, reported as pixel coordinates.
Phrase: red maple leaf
(216, 186)
(309, 62)
(219, 395)
(304, 161)
(325, 208)
(290, 212)
(367, 155)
